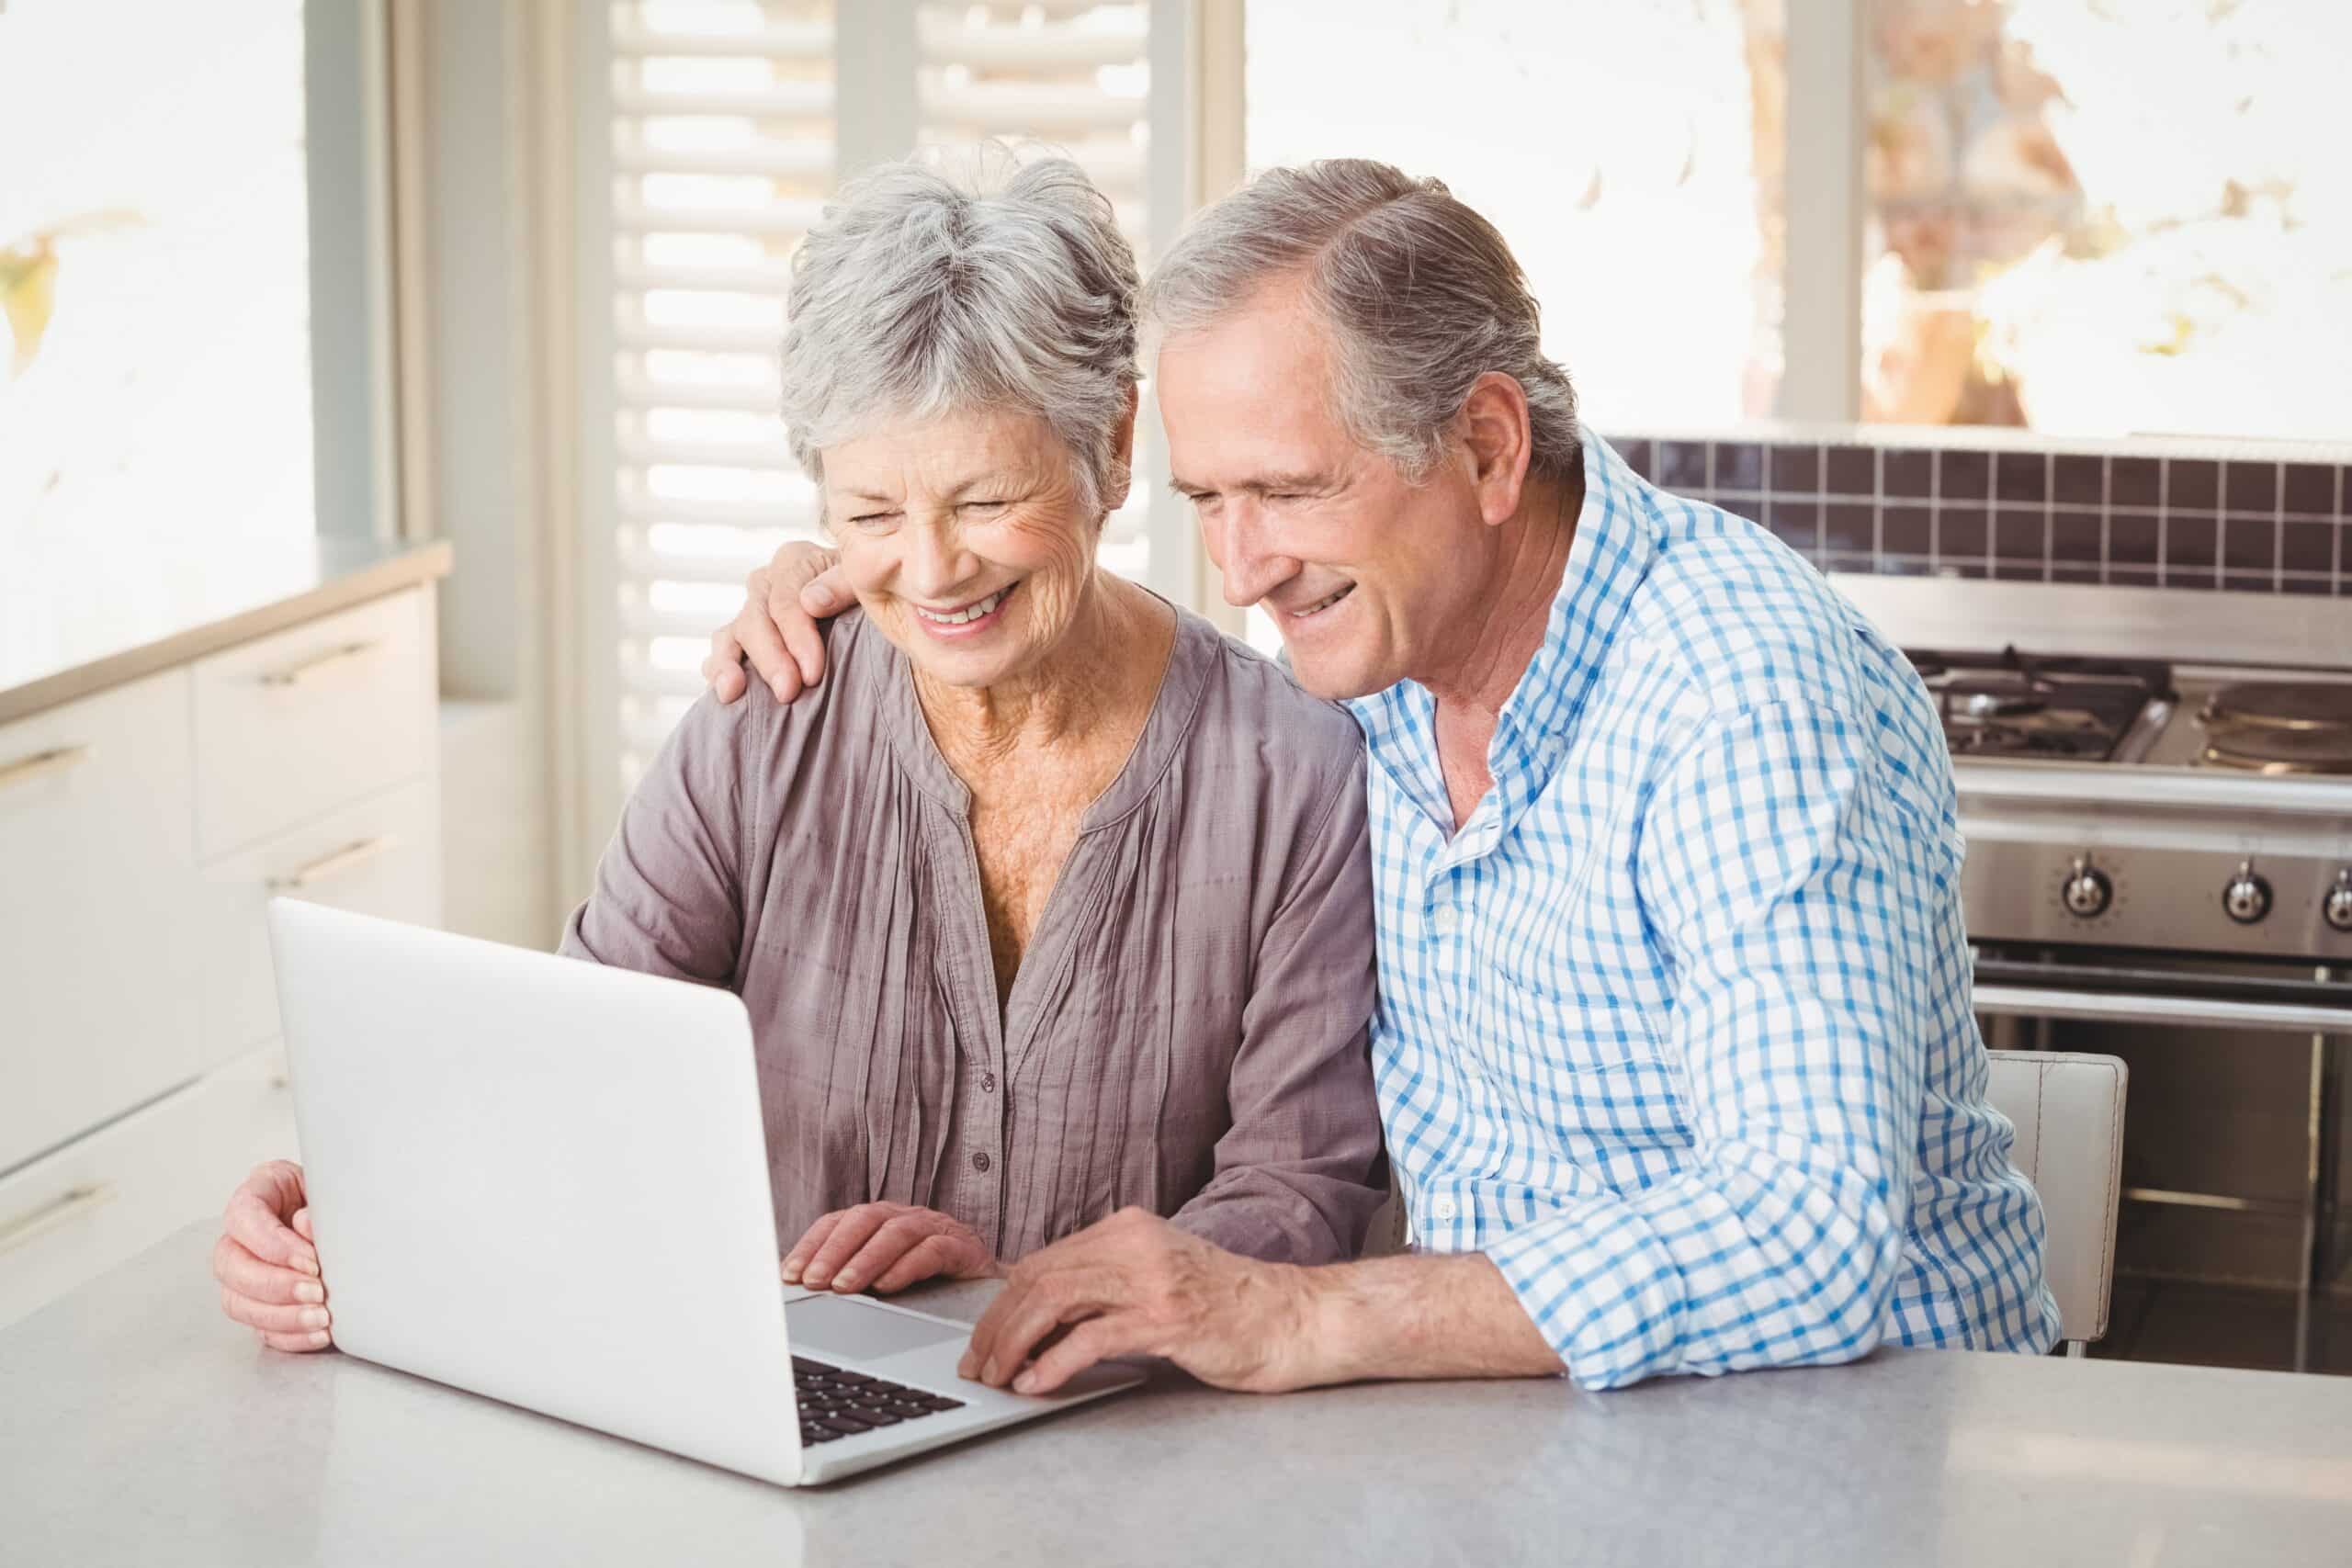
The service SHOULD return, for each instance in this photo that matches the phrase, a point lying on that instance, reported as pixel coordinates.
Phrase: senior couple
(1056, 913)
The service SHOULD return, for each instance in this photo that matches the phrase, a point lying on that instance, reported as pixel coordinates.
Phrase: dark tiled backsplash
(2150, 522)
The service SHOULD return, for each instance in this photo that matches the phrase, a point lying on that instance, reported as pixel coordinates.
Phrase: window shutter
(1074, 77)
(722, 157)
(723, 141)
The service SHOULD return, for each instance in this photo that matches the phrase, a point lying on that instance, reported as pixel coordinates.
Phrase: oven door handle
(2178, 1011)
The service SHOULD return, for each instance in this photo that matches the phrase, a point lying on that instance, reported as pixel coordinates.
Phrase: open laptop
(545, 1181)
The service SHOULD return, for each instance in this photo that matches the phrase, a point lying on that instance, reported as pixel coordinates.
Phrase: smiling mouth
(977, 610)
(1323, 603)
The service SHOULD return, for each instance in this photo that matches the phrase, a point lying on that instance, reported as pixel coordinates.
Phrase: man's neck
(1503, 624)
(1477, 675)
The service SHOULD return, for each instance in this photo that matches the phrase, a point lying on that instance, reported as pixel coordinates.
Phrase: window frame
(1822, 285)
(878, 43)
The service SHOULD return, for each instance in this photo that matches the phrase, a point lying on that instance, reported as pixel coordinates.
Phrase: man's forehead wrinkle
(1253, 472)
(1247, 404)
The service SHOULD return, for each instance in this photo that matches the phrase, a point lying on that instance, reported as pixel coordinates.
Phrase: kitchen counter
(140, 1426)
(79, 615)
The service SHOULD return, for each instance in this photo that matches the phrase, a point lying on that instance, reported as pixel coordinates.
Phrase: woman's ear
(1116, 482)
(816, 472)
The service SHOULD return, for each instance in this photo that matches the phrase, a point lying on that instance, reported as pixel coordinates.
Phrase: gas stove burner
(1969, 698)
(1994, 738)
(2013, 703)
(2256, 747)
(2039, 732)
(2143, 812)
(2314, 707)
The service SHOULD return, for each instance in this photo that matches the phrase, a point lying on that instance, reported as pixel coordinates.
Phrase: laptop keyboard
(837, 1403)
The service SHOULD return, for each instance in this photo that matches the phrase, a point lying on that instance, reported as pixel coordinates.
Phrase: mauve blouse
(1187, 1030)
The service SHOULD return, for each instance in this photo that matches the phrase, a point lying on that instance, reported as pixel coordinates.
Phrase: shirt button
(987, 1083)
(1443, 1209)
(979, 1162)
(1446, 919)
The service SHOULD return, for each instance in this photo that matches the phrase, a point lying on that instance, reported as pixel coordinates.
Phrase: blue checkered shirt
(1676, 1028)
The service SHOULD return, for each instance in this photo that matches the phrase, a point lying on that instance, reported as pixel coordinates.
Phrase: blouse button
(987, 1083)
(980, 1162)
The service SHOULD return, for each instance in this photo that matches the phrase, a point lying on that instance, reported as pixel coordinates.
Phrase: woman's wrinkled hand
(776, 628)
(885, 1247)
(267, 1265)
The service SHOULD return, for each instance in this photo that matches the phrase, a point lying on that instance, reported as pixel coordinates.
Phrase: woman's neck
(1092, 688)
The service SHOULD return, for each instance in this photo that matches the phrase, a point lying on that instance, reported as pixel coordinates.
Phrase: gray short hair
(1420, 293)
(923, 292)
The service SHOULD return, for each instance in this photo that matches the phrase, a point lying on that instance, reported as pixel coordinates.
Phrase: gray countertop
(137, 1426)
(78, 615)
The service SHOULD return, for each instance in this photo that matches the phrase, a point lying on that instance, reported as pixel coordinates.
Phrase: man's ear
(1499, 441)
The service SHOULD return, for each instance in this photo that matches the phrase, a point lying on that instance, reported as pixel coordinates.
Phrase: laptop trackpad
(852, 1330)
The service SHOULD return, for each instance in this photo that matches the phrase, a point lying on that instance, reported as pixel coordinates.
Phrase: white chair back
(2068, 1109)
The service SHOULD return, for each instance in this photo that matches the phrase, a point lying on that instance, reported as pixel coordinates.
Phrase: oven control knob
(2339, 907)
(2247, 897)
(2088, 892)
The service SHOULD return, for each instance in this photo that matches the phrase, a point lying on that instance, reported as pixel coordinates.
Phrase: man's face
(1365, 576)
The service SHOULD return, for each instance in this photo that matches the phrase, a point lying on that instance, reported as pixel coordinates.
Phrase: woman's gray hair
(1421, 294)
(920, 293)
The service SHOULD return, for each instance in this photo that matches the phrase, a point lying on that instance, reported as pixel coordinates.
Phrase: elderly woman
(1051, 900)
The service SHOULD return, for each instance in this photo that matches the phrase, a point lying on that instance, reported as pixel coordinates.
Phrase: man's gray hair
(1421, 294)
(923, 292)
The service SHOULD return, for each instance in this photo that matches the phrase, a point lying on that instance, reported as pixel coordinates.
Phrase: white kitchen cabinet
(80, 1210)
(290, 725)
(245, 1115)
(142, 831)
(377, 856)
(77, 1213)
(97, 951)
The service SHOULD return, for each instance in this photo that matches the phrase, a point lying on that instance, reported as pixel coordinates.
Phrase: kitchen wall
(2262, 524)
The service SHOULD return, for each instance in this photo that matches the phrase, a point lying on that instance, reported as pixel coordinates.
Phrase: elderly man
(1674, 1047)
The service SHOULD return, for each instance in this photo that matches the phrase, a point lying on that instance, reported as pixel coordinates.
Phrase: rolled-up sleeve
(1300, 1173)
(1796, 898)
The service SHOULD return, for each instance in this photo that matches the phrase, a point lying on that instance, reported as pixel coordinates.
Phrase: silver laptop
(545, 1181)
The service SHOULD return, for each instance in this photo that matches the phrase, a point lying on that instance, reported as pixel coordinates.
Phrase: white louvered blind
(723, 149)
(1074, 76)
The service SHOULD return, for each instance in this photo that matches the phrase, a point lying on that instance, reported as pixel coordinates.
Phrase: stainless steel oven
(2158, 809)
(2232, 1175)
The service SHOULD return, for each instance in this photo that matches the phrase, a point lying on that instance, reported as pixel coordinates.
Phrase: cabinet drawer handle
(332, 864)
(296, 674)
(76, 1201)
(56, 760)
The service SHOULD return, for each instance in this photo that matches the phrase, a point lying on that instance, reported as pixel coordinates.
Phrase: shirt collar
(1616, 540)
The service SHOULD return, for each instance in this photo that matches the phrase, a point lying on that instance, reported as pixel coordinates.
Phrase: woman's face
(965, 539)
